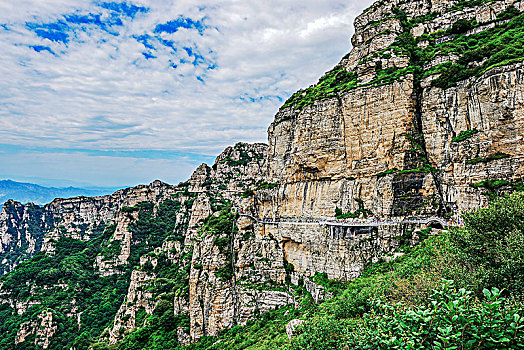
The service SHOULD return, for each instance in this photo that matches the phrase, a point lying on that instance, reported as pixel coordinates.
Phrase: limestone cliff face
(328, 153)
(340, 148)
(493, 104)
(391, 143)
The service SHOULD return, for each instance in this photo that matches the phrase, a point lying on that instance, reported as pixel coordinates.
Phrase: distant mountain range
(32, 193)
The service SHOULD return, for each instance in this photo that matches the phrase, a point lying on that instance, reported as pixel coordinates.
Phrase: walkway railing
(357, 222)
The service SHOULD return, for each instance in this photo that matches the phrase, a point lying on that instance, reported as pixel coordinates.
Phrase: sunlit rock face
(338, 149)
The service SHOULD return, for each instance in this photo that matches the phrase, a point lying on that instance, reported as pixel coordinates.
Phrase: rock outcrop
(42, 329)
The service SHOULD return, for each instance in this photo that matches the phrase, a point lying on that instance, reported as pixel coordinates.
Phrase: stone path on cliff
(357, 223)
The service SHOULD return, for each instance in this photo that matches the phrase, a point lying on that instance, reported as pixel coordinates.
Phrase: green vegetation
(462, 25)
(468, 3)
(247, 194)
(265, 186)
(494, 186)
(361, 211)
(425, 169)
(159, 330)
(498, 46)
(387, 172)
(489, 158)
(244, 158)
(452, 319)
(223, 228)
(336, 80)
(464, 135)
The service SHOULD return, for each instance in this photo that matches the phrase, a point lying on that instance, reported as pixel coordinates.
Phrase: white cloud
(100, 93)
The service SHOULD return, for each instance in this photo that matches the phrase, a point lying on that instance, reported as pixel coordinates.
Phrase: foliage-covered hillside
(456, 290)
(68, 280)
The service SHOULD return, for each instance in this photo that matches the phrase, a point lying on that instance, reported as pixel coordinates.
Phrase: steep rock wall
(388, 139)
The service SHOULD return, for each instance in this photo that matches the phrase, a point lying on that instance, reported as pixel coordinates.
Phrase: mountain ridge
(26, 192)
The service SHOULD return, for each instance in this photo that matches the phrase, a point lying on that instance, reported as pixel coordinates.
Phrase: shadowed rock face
(390, 145)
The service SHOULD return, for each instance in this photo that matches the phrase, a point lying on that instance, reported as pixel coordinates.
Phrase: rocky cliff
(424, 117)
(421, 120)
(383, 125)
(26, 229)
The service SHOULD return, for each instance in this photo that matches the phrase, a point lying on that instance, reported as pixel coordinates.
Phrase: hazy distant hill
(31, 193)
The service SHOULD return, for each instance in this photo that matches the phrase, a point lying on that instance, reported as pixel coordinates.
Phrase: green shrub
(221, 241)
(464, 135)
(462, 25)
(491, 246)
(387, 172)
(361, 211)
(489, 158)
(451, 320)
(225, 273)
(336, 80)
(265, 186)
(508, 13)
(322, 334)
(248, 193)
(498, 46)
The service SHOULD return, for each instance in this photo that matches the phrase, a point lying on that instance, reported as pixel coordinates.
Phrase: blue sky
(120, 93)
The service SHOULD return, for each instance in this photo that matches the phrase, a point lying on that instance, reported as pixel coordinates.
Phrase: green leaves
(336, 80)
(492, 244)
(453, 320)
(491, 48)
(464, 135)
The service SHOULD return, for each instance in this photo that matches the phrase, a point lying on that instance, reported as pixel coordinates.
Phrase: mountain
(360, 193)
(31, 193)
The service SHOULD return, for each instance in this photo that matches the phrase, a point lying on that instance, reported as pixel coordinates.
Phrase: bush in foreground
(452, 319)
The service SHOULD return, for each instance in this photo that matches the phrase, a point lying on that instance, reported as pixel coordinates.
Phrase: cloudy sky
(121, 93)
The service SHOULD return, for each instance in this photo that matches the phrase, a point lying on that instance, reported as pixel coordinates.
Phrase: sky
(102, 93)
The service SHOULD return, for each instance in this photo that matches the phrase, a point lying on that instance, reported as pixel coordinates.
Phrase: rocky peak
(235, 170)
